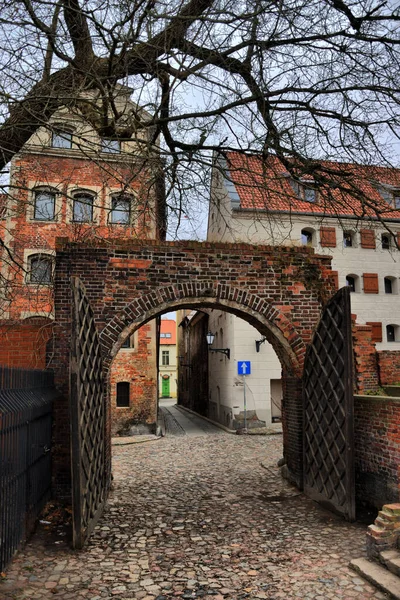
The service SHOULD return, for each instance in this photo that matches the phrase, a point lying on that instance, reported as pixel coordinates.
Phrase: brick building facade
(69, 182)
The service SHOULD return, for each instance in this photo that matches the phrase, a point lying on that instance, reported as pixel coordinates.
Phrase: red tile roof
(343, 188)
(168, 326)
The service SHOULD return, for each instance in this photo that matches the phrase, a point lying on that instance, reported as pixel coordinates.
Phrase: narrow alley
(201, 515)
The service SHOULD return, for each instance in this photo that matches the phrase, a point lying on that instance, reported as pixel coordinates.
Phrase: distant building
(255, 200)
(168, 359)
(68, 182)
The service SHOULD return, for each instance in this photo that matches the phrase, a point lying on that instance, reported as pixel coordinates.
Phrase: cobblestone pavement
(198, 517)
(180, 422)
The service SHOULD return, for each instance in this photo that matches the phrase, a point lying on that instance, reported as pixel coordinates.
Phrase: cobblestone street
(199, 517)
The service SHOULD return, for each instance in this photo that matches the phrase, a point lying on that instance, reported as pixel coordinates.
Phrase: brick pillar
(365, 360)
(292, 424)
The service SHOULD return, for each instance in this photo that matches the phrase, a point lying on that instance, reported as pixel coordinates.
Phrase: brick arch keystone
(279, 330)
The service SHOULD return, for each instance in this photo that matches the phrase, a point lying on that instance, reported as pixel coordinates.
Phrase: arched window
(40, 269)
(307, 237)
(45, 205)
(390, 285)
(121, 209)
(82, 211)
(385, 241)
(123, 394)
(353, 282)
(392, 333)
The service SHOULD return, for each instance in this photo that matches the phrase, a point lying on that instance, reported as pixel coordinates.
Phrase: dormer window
(305, 190)
(396, 200)
(61, 139)
(389, 193)
(309, 194)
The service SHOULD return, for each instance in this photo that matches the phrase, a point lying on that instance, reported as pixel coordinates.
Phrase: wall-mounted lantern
(210, 340)
(259, 342)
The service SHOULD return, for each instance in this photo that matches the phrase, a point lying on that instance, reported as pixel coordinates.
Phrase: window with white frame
(165, 358)
(40, 269)
(82, 208)
(44, 205)
(120, 210)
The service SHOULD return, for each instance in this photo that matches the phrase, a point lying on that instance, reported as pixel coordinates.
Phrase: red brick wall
(69, 173)
(279, 289)
(389, 367)
(138, 367)
(377, 449)
(366, 378)
(23, 344)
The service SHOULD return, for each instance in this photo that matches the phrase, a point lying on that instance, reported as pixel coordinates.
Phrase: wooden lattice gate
(328, 410)
(87, 410)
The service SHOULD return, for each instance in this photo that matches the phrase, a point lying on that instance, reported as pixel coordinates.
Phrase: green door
(165, 388)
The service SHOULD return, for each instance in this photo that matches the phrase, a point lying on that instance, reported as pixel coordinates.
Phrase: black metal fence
(26, 398)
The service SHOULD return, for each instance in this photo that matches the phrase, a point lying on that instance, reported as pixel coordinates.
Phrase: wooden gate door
(328, 410)
(89, 489)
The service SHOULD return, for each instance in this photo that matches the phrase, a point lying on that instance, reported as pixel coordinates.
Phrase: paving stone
(192, 517)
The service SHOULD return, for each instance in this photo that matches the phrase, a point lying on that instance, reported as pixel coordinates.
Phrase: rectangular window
(165, 358)
(45, 206)
(41, 270)
(83, 208)
(165, 335)
(120, 211)
(310, 194)
(347, 239)
(123, 394)
(396, 201)
(110, 146)
(61, 139)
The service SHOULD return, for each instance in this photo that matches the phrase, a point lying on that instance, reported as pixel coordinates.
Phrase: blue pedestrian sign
(244, 367)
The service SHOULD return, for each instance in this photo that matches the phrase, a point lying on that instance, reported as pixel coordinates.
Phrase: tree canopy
(303, 79)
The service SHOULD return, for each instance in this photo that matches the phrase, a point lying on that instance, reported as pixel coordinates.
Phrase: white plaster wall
(285, 230)
(240, 337)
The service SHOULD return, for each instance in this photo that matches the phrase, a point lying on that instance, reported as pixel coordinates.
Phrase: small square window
(61, 139)
(83, 208)
(110, 146)
(120, 210)
(306, 237)
(310, 194)
(45, 205)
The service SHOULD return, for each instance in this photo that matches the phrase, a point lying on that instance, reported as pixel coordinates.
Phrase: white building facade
(363, 247)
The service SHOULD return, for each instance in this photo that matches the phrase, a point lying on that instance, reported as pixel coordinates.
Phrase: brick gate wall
(279, 290)
(24, 343)
(389, 367)
(377, 449)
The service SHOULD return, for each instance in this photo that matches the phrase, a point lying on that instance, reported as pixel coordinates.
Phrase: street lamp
(210, 340)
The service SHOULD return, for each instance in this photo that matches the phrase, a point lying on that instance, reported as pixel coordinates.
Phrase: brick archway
(280, 291)
(269, 320)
